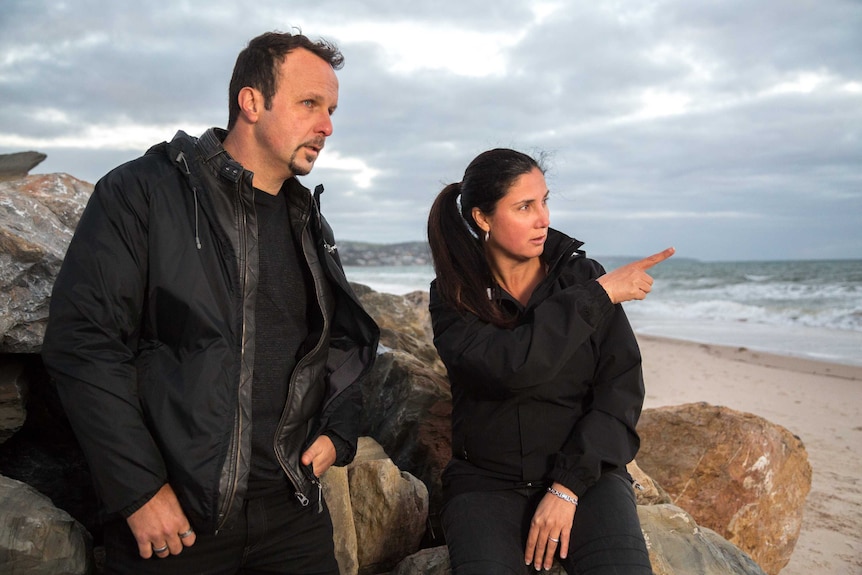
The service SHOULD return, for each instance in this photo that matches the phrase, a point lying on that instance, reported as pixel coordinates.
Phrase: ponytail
(463, 274)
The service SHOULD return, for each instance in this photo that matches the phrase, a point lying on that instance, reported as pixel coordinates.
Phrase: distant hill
(368, 254)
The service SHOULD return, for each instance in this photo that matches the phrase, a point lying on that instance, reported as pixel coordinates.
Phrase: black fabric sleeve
(91, 339)
(605, 436)
(504, 361)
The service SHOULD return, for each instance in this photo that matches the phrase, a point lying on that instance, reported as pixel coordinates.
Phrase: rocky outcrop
(36, 538)
(38, 215)
(736, 473)
(17, 165)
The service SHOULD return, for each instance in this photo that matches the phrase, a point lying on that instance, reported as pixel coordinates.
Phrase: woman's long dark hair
(463, 273)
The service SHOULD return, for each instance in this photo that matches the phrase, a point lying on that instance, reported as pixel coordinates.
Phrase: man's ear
(250, 103)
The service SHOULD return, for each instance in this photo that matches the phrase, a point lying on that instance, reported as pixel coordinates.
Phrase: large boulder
(405, 323)
(390, 511)
(678, 546)
(408, 410)
(36, 538)
(736, 473)
(38, 215)
(336, 490)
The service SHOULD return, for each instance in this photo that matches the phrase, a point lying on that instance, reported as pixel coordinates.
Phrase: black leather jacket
(151, 335)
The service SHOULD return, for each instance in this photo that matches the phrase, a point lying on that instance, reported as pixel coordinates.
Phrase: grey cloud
(788, 163)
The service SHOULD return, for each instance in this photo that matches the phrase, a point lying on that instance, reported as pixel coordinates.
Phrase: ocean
(810, 309)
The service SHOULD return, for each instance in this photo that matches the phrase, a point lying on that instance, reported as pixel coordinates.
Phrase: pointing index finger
(654, 259)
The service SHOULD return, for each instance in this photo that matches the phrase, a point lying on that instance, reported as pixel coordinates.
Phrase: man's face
(292, 132)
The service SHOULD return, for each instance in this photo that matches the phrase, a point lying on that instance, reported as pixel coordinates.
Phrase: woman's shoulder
(567, 258)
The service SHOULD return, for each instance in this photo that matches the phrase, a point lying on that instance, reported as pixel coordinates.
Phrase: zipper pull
(319, 497)
(303, 500)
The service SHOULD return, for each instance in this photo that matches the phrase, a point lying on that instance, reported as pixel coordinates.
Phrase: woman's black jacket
(556, 397)
(151, 335)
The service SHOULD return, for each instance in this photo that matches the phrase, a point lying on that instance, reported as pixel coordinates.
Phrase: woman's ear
(480, 219)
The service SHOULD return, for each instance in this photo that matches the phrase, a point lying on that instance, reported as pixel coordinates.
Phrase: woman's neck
(519, 279)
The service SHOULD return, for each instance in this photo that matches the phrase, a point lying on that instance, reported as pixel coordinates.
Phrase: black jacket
(555, 398)
(151, 335)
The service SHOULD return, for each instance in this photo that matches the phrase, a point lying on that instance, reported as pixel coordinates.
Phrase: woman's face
(519, 225)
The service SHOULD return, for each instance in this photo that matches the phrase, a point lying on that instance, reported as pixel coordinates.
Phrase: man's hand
(631, 280)
(161, 524)
(321, 455)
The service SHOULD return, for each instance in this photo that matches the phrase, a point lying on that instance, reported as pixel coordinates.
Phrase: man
(205, 343)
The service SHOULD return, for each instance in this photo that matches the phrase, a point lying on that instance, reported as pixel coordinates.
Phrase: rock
(405, 324)
(36, 538)
(408, 410)
(38, 215)
(19, 164)
(647, 491)
(336, 490)
(13, 397)
(432, 561)
(678, 546)
(736, 473)
(44, 453)
(390, 510)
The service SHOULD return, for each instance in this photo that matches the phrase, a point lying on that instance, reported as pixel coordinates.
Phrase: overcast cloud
(729, 129)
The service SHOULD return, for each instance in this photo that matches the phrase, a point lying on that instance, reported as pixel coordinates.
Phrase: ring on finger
(158, 550)
(188, 533)
(554, 540)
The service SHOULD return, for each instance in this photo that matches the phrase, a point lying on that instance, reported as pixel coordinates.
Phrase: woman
(546, 381)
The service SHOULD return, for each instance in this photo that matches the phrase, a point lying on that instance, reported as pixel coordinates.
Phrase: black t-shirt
(281, 320)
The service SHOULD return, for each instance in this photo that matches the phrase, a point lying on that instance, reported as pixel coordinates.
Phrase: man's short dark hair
(257, 66)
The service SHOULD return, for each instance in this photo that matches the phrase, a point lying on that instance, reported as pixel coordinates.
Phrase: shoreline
(819, 401)
(744, 354)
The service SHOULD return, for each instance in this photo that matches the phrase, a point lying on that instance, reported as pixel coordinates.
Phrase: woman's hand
(550, 529)
(631, 280)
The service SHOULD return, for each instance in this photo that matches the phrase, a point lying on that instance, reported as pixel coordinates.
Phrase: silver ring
(554, 540)
(158, 550)
(188, 533)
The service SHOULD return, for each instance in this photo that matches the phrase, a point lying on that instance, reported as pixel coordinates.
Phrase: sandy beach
(819, 402)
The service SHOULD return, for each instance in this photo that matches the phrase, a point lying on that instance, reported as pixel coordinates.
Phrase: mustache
(315, 143)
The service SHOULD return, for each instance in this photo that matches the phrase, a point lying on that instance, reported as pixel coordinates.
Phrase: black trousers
(486, 532)
(276, 535)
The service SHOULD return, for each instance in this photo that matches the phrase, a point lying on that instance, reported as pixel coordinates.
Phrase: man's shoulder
(147, 171)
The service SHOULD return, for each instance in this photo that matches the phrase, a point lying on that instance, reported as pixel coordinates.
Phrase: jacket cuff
(603, 305)
(344, 450)
(138, 503)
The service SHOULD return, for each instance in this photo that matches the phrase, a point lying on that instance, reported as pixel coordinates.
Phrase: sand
(819, 402)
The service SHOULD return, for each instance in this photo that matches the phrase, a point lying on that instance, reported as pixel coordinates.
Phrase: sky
(729, 129)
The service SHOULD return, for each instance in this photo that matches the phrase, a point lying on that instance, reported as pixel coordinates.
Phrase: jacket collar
(213, 153)
(559, 249)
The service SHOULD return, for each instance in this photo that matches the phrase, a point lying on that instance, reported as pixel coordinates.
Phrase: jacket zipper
(241, 223)
(297, 482)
